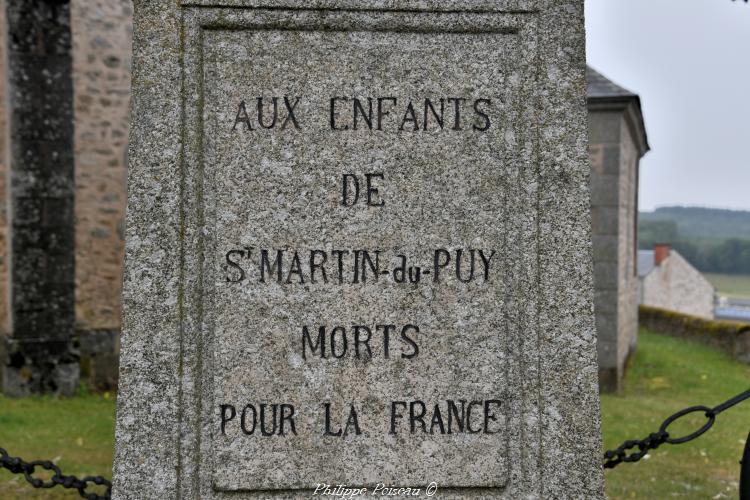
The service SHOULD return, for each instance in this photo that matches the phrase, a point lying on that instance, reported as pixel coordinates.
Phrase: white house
(668, 281)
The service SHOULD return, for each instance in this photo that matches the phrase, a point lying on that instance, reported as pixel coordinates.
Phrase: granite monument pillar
(358, 252)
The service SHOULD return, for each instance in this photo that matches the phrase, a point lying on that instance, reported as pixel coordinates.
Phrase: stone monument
(358, 252)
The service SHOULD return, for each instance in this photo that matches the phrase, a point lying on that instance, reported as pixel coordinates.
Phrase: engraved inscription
(360, 255)
(354, 266)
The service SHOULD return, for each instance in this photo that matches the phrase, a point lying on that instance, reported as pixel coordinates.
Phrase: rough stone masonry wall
(627, 278)
(102, 32)
(3, 188)
(40, 357)
(604, 153)
(102, 37)
(614, 157)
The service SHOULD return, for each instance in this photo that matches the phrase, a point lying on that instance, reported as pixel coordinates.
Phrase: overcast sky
(690, 62)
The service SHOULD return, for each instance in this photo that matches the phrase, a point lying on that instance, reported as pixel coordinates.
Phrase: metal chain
(745, 472)
(18, 466)
(612, 458)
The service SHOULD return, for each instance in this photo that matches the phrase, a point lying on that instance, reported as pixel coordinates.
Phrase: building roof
(732, 314)
(605, 95)
(598, 85)
(645, 262)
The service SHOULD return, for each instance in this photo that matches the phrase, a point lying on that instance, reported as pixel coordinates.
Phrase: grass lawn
(666, 375)
(729, 284)
(76, 433)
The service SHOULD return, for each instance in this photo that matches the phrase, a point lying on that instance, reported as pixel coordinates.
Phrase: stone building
(617, 141)
(63, 176)
(668, 281)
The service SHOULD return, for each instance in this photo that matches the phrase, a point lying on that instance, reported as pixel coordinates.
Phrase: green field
(666, 375)
(76, 433)
(732, 285)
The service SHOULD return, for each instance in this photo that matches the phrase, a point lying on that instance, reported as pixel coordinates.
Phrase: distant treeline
(714, 241)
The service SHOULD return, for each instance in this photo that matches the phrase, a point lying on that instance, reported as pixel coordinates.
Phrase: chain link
(18, 466)
(613, 458)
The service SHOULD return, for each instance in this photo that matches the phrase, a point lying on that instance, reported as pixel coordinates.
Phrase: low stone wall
(730, 336)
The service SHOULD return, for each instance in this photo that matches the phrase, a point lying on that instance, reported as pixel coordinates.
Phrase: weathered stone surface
(99, 43)
(617, 141)
(39, 356)
(99, 357)
(213, 322)
(102, 31)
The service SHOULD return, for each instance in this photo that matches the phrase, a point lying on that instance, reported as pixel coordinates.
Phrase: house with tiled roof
(669, 281)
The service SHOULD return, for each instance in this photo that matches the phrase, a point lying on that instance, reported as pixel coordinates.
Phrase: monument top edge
(510, 6)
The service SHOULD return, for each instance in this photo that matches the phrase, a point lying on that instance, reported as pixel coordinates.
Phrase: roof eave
(630, 105)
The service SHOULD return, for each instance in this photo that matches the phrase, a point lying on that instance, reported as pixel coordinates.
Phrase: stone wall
(627, 303)
(101, 53)
(604, 152)
(102, 34)
(616, 144)
(4, 306)
(677, 286)
(40, 159)
(614, 187)
(102, 39)
(730, 336)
